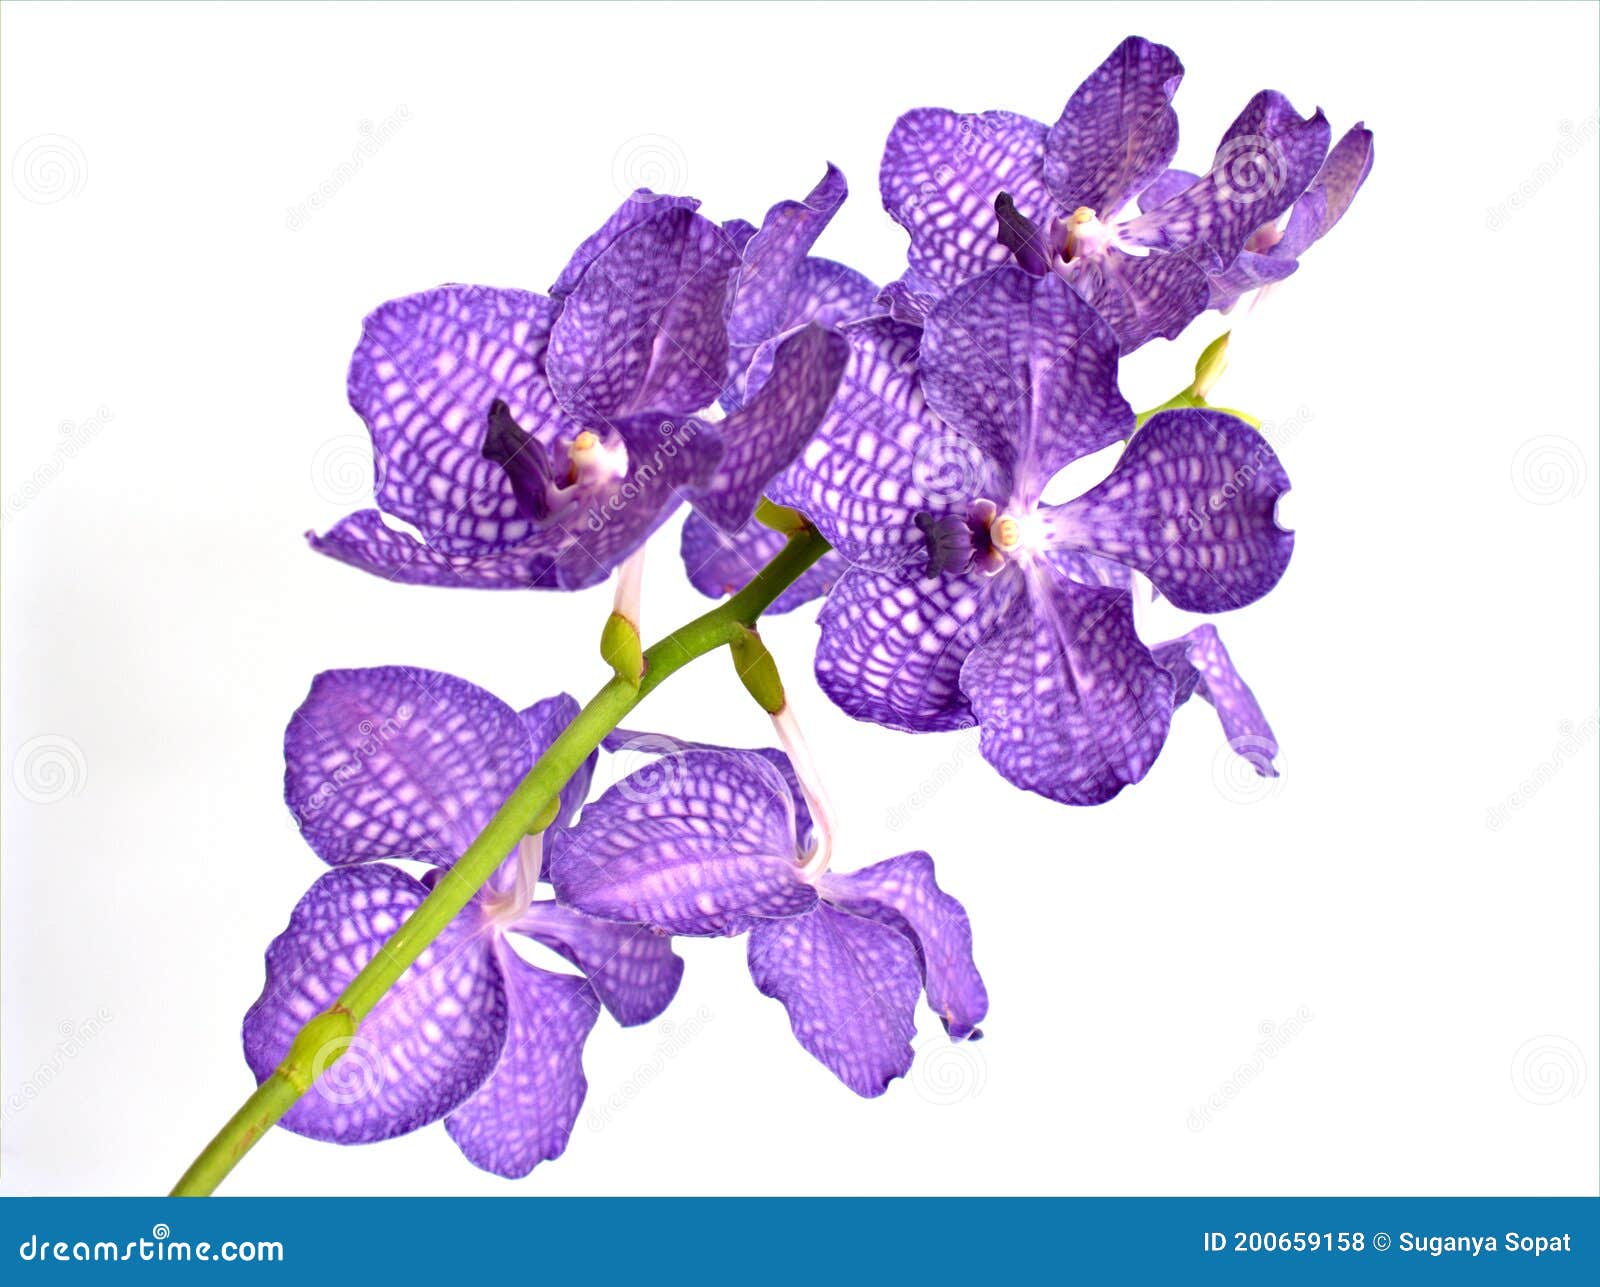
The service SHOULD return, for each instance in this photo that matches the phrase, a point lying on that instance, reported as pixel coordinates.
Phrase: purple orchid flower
(780, 288)
(1201, 667)
(537, 441)
(713, 841)
(976, 191)
(1272, 253)
(968, 597)
(394, 763)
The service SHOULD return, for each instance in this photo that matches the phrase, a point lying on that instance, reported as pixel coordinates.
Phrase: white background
(1431, 382)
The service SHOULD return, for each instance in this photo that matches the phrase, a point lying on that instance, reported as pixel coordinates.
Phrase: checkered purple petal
(1142, 298)
(1069, 703)
(640, 205)
(903, 894)
(643, 330)
(423, 377)
(428, 1043)
(940, 174)
(850, 986)
(1266, 159)
(632, 969)
(893, 644)
(1026, 370)
(1118, 131)
(524, 1113)
(1191, 504)
(699, 844)
(760, 305)
(1200, 664)
(764, 436)
(397, 762)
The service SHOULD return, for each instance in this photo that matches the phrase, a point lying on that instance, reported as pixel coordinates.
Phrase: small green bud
(780, 518)
(757, 671)
(320, 1045)
(1208, 370)
(622, 649)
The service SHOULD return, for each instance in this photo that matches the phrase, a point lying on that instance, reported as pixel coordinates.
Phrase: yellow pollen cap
(1006, 533)
(585, 441)
(1082, 215)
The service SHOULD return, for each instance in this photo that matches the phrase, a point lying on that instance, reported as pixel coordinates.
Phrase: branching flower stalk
(327, 1036)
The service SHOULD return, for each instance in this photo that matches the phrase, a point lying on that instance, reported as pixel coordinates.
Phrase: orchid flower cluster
(887, 451)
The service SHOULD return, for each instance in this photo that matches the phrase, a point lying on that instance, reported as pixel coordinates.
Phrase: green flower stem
(327, 1036)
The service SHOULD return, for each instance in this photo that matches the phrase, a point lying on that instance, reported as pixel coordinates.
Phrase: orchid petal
(632, 969)
(720, 564)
